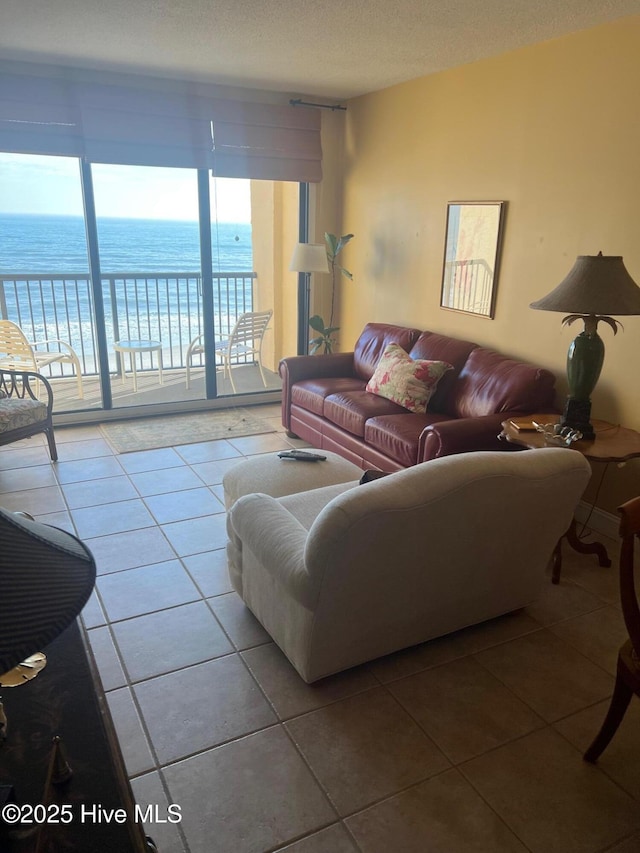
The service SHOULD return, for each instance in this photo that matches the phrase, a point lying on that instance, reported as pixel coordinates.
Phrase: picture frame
(473, 239)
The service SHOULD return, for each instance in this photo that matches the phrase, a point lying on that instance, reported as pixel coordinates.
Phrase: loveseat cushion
(409, 382)
(352, 409)
(431, 345)
(310, 394)
(398, 436)
(489, 383)
(374, 340)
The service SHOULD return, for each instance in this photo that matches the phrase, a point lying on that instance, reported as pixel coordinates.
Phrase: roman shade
(145, 121)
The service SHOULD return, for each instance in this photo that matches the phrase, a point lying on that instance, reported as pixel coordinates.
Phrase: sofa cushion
(404, 380)
(489, 384)
(352, 409)
(373, 342)
(398, 436)
(455, 352)
(310, 394)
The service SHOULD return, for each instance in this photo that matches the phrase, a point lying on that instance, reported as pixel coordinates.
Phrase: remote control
(301, 456)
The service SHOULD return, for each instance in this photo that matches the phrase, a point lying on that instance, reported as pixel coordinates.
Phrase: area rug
(170, 430)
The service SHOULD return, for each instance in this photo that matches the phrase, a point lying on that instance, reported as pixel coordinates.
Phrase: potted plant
(325, 341)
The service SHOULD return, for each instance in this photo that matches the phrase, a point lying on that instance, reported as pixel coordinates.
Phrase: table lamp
(307, 258)
(596, 287)
(46, 577)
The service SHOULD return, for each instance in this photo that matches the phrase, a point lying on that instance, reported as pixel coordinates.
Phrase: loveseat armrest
(298, 367)
(277, 540)
(463, 435)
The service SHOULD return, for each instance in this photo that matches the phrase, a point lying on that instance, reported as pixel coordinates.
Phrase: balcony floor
(173, 389)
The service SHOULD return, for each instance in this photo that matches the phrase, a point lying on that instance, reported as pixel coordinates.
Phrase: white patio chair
(244, 339)
(17, 352)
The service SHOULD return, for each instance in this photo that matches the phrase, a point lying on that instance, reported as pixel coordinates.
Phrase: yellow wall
(555, 131)
(274, 227)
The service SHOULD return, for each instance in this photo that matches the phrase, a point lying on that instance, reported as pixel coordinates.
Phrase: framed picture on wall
(471, 256)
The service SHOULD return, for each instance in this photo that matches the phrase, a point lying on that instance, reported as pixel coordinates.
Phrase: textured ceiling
(330, 48)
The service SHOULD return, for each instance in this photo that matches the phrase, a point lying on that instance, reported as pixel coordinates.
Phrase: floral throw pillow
(406, 381)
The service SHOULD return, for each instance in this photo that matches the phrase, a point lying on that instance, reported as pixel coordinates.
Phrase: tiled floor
(472, 742)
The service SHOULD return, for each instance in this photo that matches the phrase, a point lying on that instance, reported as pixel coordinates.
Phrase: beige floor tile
(209, 572)
(148, 791)
(289, 694)
(441, 815)
(453, 646)
(170, 639)
(621, 759)
(20, 457)
(464, 709)
(112, 490)
(131, 737)
(548, 674)
(121, 551)
(238, 621)
(333, 839)
(92, 613)
(211, 473)
(207, 451)
(165, 481)
(254, 794)
(88, 469)
(197, 535)
(57, 519)
(550, 798)
(104, 519)
(562, 601)
(182, 505)
(597, 635)
(106, 657)
(66, 434)
(250, 444)
(88, 449)
(365, 748)
(202, 706)
(150, 460)
(35, 501)
(598, 580)
(145, 590)
(19, 479)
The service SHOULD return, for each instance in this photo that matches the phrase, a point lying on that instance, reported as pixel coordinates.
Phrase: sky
(51, 185)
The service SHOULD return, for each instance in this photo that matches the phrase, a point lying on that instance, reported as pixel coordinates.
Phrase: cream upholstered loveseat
(346, 573)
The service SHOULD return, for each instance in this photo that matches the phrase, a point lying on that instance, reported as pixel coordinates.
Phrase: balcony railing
(164, 306)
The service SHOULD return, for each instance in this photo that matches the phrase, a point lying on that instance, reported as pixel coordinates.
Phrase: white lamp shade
(309, 257)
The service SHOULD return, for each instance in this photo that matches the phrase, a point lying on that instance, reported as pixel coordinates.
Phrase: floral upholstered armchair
(22, 413)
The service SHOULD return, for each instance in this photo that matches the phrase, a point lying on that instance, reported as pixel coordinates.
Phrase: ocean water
(41, 244)
(159, 306)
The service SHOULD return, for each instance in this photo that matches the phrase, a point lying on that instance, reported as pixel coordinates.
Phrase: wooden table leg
(581, 547)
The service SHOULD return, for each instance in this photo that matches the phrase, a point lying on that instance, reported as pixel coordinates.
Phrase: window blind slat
(140, 123)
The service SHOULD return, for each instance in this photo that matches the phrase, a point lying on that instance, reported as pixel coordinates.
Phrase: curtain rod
(297, 102)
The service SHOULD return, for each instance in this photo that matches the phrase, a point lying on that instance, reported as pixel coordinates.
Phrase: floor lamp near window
(306, 259)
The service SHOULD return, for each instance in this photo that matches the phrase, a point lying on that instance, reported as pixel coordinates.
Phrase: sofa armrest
(298, 367)
(463, 435)
(277, 540)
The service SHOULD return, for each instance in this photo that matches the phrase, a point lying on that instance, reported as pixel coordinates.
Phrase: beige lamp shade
(596, 284)
(309, 257)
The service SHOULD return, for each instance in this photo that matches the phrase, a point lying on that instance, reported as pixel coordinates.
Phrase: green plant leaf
(346, 273)
(332, 243)
(328, 332)
(317, 323)
(342, 242)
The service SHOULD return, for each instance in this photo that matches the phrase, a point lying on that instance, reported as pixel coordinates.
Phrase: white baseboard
(600, 521)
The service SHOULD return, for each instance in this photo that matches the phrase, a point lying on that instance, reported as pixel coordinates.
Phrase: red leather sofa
(324, 400)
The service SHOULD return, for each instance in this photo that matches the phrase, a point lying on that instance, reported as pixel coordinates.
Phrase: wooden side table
(612, 443)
